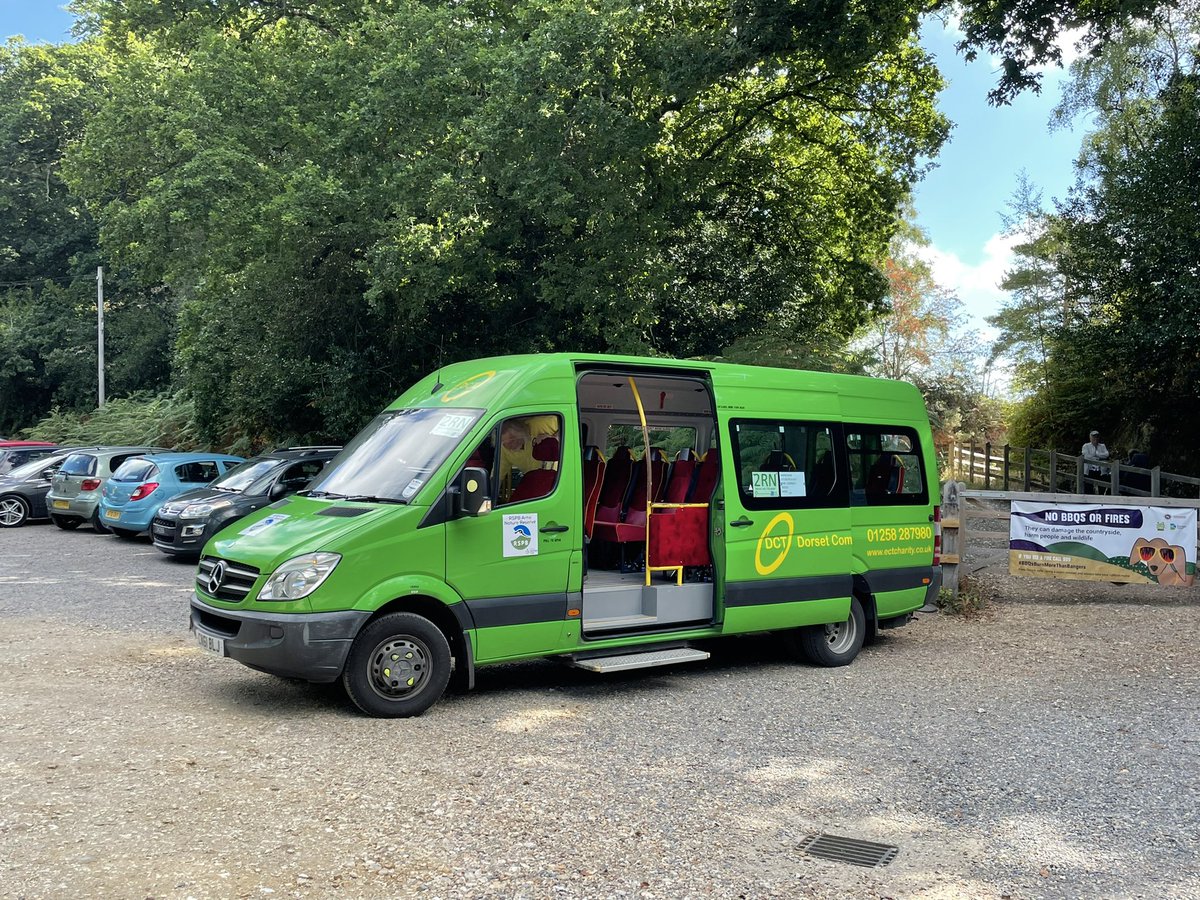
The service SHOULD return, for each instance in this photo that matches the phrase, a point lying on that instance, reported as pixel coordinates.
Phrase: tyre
(97, 525)
(67, 523)
(836, 644)
(124, 533)
(14, 512)
(398, 666)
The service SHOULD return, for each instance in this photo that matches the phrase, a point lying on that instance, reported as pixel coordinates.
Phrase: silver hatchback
(75, 492)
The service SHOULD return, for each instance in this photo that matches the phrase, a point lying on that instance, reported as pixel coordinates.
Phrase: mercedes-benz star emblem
(216, 577)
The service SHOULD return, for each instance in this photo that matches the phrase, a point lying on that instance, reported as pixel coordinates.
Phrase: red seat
(679, 537)
(539, 482)
(593, 478)
(885, 478)
(679, 482)
(617, 476)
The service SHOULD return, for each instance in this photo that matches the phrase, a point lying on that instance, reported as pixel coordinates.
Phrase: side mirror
(472, 493)
(278, 491)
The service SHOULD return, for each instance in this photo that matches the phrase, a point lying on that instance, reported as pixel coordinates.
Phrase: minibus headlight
(299, 577)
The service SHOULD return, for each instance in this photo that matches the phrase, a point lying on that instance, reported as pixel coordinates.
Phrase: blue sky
(959, 203)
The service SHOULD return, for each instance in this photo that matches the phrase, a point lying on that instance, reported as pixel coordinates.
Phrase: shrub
(162, 420)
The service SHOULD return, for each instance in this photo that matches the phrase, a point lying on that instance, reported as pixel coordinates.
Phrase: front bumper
(312, 646)
(168, 535)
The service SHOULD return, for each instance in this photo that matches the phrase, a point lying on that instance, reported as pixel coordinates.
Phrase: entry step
(643, 660)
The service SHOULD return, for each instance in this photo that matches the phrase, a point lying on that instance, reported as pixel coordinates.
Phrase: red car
(17, 453)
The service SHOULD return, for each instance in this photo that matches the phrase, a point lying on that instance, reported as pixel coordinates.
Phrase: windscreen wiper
(366, 498)
(326, 494)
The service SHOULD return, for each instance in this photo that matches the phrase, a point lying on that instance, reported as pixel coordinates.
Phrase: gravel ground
(1044, 748)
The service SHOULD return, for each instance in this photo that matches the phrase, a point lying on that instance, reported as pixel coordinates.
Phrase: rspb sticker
(521, 534)
(264, 524)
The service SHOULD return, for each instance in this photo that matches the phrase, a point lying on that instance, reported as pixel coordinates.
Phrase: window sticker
(264, 524)
(451, 426)
(411, 488)
(764, 484)
(791, 484)
(520, 534)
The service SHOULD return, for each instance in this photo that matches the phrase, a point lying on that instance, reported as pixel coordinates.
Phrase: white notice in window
(791, 484)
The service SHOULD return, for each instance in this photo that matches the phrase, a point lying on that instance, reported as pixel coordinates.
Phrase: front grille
(162, 530)
(236, 581)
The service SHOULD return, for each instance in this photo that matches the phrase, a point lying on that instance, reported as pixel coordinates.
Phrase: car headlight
(201, 510)
(299, 577)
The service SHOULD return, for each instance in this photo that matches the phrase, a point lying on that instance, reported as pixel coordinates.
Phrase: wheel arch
(452, 620)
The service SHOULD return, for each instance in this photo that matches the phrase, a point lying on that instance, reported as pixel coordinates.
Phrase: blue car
(141, 485)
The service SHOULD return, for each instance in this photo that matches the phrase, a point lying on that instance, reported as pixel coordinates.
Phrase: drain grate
(848, 850)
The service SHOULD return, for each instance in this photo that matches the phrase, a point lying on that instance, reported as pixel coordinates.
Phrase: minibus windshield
(390, 459)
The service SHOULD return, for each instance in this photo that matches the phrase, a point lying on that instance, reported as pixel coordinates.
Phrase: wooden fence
(1029, 469)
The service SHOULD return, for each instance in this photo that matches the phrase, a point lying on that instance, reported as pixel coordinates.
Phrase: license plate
(62, 504)
(210, 643)
(112, 514)
(161, 529)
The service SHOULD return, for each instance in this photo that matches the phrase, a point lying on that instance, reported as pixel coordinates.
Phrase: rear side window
(135, 470)
(787, 465)
(79, 464)
(886, 466)
(201, 472)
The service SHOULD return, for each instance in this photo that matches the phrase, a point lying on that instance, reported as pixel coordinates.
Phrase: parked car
(17, 453)
(74, 496)
(186, 522)
(23, 490)
(133, 495)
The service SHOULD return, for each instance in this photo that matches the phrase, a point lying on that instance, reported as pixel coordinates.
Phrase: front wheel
(14, 512)
(66, 523)
(399, 665)
(835, 644)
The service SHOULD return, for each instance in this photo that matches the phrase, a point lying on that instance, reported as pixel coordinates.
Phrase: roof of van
(536, 378)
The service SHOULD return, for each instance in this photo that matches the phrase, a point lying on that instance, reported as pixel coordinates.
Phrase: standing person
(1093, 453)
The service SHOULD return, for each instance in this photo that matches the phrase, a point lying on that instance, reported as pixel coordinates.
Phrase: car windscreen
(245, 474)
(135, 470)
(79, 464)
(397, 453)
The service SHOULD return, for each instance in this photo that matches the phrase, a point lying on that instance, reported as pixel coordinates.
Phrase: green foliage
(970, 600)
(1105, 317)
(342, 196)
(147, 420)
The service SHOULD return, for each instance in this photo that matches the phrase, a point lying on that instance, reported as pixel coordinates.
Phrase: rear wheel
(835, 644)
(66, 523)
(14, 512)
(99, 526)
(399, 665)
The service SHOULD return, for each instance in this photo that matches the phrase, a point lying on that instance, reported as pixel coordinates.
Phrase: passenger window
(297, 476)
(787, 465)
(529, 457)
(885, 466)
(197, 472)
(669, 440)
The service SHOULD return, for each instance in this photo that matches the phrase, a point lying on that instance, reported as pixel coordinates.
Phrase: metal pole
(100, 329)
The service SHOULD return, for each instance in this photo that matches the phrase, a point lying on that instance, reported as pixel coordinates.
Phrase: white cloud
(978, 285)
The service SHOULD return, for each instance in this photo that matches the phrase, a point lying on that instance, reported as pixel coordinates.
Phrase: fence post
(987, 465)
(971, 471)
(1028, 469)
(1079, 485)
(952, 534)
(1052, 487)
(1007, 450)
(953, 461)
(1155, 482)
(1116, 478)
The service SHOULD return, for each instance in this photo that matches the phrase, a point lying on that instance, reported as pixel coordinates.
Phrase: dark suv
(185, 522)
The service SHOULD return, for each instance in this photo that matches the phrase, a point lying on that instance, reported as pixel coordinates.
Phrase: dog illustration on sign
(1166, 562)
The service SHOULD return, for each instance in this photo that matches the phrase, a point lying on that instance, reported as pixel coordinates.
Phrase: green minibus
(610, 511)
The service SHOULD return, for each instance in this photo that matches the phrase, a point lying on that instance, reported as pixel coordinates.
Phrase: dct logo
(775, 543)
(467, 385)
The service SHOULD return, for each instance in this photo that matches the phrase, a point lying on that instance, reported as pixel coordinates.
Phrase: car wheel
(66, 523)
(835, 644)
(124, 533)
(399, 665)
(14, 512)
(97, 525)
